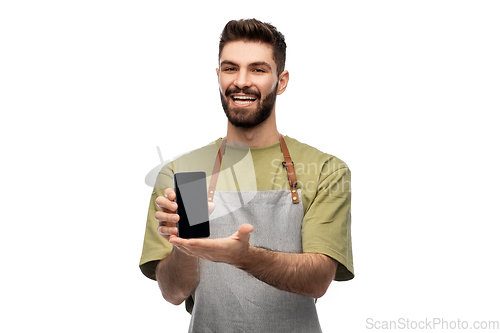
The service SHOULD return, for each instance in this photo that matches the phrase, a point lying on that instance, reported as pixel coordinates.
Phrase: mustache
(245, 91)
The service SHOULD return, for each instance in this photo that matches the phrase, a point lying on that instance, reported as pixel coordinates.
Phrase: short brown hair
(256, 31)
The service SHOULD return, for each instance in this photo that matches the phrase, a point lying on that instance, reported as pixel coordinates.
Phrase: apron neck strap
(287, 163)
(290, 170)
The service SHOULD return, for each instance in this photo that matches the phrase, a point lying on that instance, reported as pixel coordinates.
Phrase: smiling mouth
(243, 100)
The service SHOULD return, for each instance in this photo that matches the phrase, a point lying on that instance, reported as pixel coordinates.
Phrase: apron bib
(228, 299)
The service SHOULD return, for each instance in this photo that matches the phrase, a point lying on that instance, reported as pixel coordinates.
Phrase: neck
(262, 135)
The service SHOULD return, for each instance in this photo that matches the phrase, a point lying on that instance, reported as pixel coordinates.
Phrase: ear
(283, 82)
(217, 70)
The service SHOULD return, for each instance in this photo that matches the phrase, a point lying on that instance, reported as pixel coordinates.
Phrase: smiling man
(268, 259)
(242, 101)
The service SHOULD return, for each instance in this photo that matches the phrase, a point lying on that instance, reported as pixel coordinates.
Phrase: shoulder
(200, 159)
(309, 157)
(194, 159)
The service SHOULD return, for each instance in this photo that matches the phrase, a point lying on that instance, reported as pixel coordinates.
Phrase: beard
(243, 117)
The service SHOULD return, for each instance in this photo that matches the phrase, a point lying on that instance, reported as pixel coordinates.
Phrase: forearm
(307, 274)
(177, 276)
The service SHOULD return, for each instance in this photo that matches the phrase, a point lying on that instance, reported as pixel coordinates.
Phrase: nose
(242, 80)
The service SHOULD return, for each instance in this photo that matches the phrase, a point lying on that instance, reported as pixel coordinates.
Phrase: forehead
(245, 53)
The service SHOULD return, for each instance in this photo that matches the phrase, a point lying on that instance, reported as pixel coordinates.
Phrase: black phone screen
(192, 201)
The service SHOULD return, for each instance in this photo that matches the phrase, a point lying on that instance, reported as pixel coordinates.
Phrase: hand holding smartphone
(192, 204)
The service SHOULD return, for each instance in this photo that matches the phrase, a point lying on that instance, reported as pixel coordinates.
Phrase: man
(268, 259)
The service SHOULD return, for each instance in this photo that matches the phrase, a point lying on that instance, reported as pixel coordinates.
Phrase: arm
(177, 274)
(308, 274)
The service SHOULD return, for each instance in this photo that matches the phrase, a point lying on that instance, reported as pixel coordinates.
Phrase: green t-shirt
(324, 182)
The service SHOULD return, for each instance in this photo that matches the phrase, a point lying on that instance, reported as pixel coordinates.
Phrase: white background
(405, 92)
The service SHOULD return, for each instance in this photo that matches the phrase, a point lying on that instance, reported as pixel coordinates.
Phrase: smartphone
(192, 201)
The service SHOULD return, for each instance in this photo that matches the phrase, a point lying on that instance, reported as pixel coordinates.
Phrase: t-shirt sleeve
(326, 227)
(155, 247)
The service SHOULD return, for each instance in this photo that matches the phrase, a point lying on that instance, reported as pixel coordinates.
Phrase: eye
(259, 70)
(229, 69)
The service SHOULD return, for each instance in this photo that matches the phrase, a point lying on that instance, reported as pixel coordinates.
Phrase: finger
(186, 243)
(167, 224)
(244, 232)
(166, 217)
(169, 194)
(176, 241)
(165, 236)
(196, 242)
(166, 231)
(211, 207)
(165, 204)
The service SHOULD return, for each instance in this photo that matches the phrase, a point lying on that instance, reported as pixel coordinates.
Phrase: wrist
(247, 259)
(182, 257)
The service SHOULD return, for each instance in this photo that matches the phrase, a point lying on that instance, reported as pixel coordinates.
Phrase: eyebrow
(253, 64)
(261, 63)
(227, 62)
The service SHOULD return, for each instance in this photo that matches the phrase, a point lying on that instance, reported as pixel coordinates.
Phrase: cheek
(225, 81)
(268, 87)
(223, 85)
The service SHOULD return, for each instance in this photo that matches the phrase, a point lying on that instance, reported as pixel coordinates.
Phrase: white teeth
(243, 97)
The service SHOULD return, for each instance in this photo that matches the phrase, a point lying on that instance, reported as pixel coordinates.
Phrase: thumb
(244, 232)
(211, 207)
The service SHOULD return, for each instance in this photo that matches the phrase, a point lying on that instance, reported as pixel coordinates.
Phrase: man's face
(248, 82)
